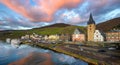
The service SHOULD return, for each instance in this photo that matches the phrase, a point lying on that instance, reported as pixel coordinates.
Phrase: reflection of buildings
(113, 36)
(15, 42)
(78, 36)
(91, 29)
(98, 36)
(8, 40)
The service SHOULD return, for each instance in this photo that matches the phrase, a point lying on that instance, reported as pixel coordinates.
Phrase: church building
(90, 28)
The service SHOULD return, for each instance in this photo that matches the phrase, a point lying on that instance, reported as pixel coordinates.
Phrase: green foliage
(56, 30)
(44, 31)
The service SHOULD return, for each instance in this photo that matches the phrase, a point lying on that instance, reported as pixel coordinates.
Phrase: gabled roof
(114, 30)
(91, 21)
(102, 33)
(77, 31)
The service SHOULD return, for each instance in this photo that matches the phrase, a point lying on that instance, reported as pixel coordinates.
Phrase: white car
(112, 48)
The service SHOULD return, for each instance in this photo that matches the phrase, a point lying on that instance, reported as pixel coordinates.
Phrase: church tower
(90, 28)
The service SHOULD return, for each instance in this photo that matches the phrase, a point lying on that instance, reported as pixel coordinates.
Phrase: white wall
(98, 37)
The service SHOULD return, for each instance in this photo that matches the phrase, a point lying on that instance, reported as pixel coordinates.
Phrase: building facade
(53, 37)
(90, 28)
(65, 37)
(113, 36)
(78, 36)
(99, 36)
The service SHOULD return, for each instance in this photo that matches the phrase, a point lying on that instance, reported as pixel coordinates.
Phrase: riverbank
(85, 53)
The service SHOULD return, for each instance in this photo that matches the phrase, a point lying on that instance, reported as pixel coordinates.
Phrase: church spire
(91, 21)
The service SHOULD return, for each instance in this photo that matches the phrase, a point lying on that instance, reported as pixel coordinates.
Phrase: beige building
(46, 37)
(65, 37)
(53, 37)
(91, 29)
(78, 36)
(113, 36)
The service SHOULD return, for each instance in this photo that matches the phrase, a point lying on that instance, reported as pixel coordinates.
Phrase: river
(28, 55)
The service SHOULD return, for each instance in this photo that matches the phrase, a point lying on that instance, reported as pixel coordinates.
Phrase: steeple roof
(91, 21)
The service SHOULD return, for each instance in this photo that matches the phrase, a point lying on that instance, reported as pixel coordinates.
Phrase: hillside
(54, 25)
(57, 25)
(109, 25)
(47, 30)
(59, 28)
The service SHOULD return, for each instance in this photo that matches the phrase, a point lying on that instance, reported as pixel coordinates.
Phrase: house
(65, 37)
(25, 37)
(31, 36)
(62, 37)
(78, 36)
(91, 26)
(113, 36)
(53, 37)
(99, 36)
(46, 37)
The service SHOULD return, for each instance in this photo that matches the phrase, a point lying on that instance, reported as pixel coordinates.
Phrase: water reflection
(14, 42)
(9, 55)
(8, 40)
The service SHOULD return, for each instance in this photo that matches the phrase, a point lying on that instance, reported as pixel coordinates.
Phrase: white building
(46, 37)
(98, 36)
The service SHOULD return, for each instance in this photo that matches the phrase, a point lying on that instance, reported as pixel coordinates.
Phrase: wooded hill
(109, 25)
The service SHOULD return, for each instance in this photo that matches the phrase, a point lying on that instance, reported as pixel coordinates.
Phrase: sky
(28, 14)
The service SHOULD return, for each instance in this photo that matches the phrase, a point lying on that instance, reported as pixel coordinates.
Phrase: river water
(10, 55)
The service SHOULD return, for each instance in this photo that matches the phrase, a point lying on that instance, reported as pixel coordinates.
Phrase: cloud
(39, 10)
(11, 20)
(20, 13)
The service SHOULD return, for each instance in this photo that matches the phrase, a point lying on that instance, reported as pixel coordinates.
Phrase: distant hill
(57, 25)
(109, 25)
(59, 28)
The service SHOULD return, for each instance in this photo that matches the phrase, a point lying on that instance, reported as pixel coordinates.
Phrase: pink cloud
(43, 10)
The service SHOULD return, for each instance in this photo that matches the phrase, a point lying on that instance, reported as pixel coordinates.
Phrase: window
(90, 28)
(90, 25)
(76, 36)
(96, 35)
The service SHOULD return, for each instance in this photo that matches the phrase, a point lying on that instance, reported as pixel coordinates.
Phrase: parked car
(81, 44)
(101, 50)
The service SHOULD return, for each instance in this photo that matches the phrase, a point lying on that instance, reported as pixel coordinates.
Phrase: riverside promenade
(89, 54)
